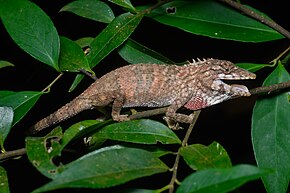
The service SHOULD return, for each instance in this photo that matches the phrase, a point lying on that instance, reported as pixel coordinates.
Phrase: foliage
(117, 153)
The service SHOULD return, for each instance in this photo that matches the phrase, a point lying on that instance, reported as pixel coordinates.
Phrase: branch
(271, 88)
(88, 74)
(258, 17)
(12, 154)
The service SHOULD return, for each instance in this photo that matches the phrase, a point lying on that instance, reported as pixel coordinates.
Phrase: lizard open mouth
(228, 80)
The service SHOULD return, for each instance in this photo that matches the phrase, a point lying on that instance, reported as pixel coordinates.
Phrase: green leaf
(100, 169)
(32, 30)
(91, 9)
(109, 39)
(79, 129)
(42, 150)
(84, 42)
(113, 36)
(76, 82)
(200, 157)
(124, 3)
(4, 186)
(138, 131)
(135, 53)
(252, 67)
(21, 102)
(72, 57)
(6, 119)
(216, 180)
(5, 64)
(213, 19)
(271, 134)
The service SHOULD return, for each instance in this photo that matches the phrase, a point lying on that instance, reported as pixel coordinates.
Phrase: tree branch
(271, 88)
(258, 17)
(12, 154)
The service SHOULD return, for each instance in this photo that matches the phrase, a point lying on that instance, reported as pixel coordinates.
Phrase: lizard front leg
(172, 118)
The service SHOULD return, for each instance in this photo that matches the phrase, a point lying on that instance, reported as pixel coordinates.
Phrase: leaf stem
(47, 88)
(280, 56)
(258, 17)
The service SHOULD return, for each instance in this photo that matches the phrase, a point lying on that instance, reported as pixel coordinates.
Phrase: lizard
(195, 85)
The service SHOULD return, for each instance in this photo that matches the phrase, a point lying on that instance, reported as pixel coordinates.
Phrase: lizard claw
(174, 125)
(121, 118)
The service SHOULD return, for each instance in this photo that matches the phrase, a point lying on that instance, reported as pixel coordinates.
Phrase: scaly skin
(195, 86)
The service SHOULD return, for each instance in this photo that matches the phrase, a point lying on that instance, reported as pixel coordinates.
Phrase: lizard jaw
(233, 89)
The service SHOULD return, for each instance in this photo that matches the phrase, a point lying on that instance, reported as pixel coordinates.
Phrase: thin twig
(183, 144)
(47, 88)
(88, 74)
(12, 154)
(280, 56)
(258, 17)
(271, 88)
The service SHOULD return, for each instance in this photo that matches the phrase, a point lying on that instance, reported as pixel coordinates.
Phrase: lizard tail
(67, 111)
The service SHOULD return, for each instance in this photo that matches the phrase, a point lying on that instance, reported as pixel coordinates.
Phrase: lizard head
(210, 73)
(214, 71)
(226, 70)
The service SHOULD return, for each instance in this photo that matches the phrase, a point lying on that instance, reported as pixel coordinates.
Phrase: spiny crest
(200, 61)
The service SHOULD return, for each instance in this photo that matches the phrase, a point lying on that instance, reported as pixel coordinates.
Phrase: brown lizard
(195, 85)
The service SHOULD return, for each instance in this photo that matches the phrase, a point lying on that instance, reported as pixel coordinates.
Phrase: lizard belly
(142, 101)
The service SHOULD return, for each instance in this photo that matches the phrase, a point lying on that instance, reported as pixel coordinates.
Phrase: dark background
(228, 123)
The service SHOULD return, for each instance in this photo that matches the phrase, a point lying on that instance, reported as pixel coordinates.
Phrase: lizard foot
(121, 118)
(172, 124)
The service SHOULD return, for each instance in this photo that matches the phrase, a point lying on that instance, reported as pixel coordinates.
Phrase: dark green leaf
(42, 150)
(4, 186)
(213, 19)
(91, 9)
(110, 38)
(124, 3)
(5, 64)
(6, 119)
(21, 102)
(271, 134)
(113, 36)
(78, 129)
(84, 42)
(72, 57)
(220, 180)
(106, 167)
(138, 131)
(32, 30)
(200, 157)
(252, 67)
(135, 53)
